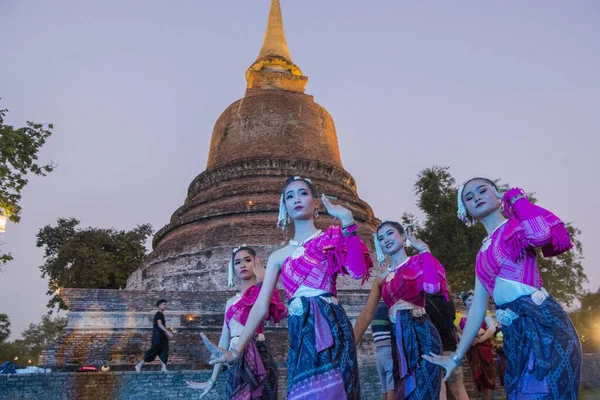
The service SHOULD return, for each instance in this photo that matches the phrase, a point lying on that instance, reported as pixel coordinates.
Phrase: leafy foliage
(4, 327)
(19, 149)
(35, 339)
(89, 258)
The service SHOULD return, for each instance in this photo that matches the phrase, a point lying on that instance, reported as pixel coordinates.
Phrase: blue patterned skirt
(543, 352)
(414, 377)
(322, 356)
(254, 375)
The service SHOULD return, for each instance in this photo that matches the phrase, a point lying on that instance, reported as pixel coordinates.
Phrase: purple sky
(507, 89)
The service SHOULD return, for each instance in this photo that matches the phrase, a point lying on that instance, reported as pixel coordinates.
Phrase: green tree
(19, 149)
(456, 245)
(4, 327)
(35, 339)
(587, 321)
(89, 258)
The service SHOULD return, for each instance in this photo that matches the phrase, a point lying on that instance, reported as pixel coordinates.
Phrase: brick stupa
(273, 132)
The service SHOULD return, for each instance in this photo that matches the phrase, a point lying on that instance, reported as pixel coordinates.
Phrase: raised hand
(336, 210)
(443, 361)
(418, 244)
(218, 355)
(206, 386)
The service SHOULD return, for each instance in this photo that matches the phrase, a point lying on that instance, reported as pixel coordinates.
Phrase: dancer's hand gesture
(218, 355)
(207, 386)
(443, 361)
(418, 244)
(336, 210)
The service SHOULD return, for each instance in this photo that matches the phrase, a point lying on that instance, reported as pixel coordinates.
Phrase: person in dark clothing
(443, 313)
(160, 339)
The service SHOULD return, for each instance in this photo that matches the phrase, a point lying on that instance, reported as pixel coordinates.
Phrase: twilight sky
(509, 90)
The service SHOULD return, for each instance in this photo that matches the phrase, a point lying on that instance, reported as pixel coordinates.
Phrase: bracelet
(517, 197)
(349, 224)
(235, 353)
(457, 360)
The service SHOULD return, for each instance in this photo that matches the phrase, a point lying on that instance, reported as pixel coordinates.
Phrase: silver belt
(414, 312)
(234, 339)
(296, 308)
(507, 316)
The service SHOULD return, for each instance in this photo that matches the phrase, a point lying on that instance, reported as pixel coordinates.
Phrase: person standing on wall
(160, 339)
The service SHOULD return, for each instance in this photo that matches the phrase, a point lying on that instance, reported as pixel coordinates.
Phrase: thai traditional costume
(542, 348)
(413, 333)
(481, 360)
(321, 359)
(253, 375)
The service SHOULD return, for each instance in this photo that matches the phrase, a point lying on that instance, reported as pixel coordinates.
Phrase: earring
(316, 213)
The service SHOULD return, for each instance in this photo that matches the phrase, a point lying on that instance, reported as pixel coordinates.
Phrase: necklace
(392, 271)
(488, 239)
(300, 250)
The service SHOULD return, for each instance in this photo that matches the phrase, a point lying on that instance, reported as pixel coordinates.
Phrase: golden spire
(274, 43)
(274, 69)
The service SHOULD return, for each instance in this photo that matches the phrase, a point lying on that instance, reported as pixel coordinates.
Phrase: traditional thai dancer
(321, 359)
(480, 354)
(253, 375)
(542, 348)
(403, 289)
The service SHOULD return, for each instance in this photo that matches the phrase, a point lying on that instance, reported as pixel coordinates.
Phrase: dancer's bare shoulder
(279, 256)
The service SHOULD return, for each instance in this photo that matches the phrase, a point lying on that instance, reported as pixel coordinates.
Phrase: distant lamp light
(190, 318)
(3, 219)
(16, 358)
(29, 361)
(57, 291)
(250, 202)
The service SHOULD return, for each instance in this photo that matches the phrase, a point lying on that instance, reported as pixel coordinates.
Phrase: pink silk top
(241, 309)
(422, 274)
(326, 256)
(509, 252)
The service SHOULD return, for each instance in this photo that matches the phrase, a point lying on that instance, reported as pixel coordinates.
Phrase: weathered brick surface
(171, 385)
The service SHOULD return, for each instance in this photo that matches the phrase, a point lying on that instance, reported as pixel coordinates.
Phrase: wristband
(457, 360)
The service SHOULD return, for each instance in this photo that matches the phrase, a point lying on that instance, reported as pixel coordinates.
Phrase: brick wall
(157, 385)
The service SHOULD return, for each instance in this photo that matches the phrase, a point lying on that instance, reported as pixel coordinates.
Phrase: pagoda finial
(274, 43)
(274, 69)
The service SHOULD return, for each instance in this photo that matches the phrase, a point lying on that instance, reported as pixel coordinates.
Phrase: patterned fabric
(247, 380)
(241, 309)
(325, 257)
(415, 378)
(509, 252)
(543, 352)
(409, 282)
(316, 372)
(381, 325)
(481, 359)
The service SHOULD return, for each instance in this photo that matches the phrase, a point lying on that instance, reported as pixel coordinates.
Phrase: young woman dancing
(403, 289)
(542, 348)
(253, 375)
(322, 355)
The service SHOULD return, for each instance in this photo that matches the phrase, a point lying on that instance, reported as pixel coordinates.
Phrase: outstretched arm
(366, 315)
(476, 316)
(223, 343)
